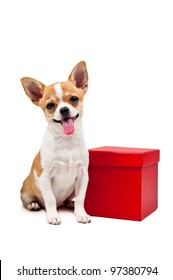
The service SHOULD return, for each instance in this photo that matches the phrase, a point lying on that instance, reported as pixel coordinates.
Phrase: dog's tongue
(67, 126)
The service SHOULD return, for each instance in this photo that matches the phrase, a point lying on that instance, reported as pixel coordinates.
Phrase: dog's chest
(66, 165)
(66, 168)
(63, 159)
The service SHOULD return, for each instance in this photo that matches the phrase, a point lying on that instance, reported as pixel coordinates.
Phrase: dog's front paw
(82, 217)
(54, 218)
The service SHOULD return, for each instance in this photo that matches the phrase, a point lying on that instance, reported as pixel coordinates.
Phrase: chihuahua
(59, 173)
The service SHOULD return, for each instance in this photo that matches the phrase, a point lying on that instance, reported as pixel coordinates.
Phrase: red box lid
(119, 156)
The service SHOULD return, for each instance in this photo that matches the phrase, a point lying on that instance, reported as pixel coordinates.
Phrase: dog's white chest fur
(63, 159)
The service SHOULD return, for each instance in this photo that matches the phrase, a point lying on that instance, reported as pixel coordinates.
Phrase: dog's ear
(79, 76)
(33, 88)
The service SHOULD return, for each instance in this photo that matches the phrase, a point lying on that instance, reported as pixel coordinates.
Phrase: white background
(128, 48)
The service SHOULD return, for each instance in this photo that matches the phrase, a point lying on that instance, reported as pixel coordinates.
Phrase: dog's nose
(64, 111)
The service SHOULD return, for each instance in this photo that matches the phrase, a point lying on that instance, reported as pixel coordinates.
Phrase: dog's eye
(74, 99)
(50, 105)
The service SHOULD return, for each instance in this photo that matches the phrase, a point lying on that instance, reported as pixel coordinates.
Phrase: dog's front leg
(80, 191)
(49, 200)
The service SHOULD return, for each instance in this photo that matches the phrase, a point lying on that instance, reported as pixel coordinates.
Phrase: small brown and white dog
(60, 169)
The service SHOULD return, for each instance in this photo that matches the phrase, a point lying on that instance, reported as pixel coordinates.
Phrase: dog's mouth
(67, 124)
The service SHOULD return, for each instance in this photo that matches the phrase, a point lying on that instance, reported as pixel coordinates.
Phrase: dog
(59, 172)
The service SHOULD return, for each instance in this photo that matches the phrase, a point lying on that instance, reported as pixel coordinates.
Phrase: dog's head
(61, 102)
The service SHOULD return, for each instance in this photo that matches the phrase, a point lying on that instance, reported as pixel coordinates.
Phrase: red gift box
(123, 182)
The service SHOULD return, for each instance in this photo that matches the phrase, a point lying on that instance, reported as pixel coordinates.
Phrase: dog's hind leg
(30, 195)
(30, 202)
(69, 202)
